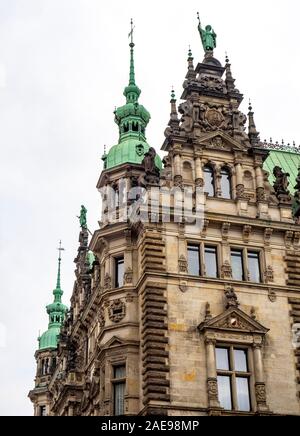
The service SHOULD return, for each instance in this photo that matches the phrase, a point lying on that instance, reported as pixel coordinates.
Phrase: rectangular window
(254, 267)
(233, 379)
(224, 387)
(194, 260)
(237, 265)
(42, 410)
(119, 272)
(119, 384)
(246, 265)
(211, 262)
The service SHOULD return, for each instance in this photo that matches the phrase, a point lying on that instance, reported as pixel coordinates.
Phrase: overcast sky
(63, 67)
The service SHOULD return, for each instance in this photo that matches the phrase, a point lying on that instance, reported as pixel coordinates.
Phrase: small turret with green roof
(132, 120)
(57, 313)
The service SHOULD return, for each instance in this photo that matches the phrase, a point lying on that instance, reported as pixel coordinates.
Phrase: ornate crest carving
(231, 297)
(269, 274)
(214, 118)
(183, 264)
(226, 270)
(117, 311)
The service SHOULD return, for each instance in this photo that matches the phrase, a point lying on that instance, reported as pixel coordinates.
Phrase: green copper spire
(132, 120)
(56, 311)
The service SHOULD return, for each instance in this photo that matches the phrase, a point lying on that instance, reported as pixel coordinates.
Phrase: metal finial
(173, 96)
(198, 16)
(130, 35)
(226, 58)
(250, 105)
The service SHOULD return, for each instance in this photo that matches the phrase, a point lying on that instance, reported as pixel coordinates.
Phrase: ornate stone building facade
(172, 318)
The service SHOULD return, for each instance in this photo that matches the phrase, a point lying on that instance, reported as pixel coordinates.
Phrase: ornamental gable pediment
(221, 141)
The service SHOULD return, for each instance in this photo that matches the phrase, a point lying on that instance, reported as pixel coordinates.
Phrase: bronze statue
(82, 218)
(208, 37)
(281, 182)
(152, 172)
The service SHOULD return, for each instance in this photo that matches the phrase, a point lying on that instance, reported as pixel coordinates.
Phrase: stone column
(177, 169)
(239, 180)
(212, 383)
(260, 385)
(199, 173)
(71, 410)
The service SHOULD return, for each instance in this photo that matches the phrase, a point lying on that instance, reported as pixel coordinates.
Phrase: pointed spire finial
(253, 133)
(131, 33)
(226, 58)
(58, 285)
(173, 96)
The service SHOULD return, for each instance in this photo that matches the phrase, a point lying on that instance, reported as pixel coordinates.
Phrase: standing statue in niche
(152, 173)
(208, 37)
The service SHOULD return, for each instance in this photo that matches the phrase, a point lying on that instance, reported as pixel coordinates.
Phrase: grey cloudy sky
(63, 67)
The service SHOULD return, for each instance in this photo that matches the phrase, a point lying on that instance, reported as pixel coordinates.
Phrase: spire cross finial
(131, 32)
(60, 250)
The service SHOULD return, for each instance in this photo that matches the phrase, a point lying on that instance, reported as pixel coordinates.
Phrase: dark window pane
(240, 361)
(254, 267)
(226, 184)
(119, 372)
(119, 273)
(194, 260)
(211, 262)
(222, 357)
(224, 388)
(237, 265)
(119, 391)
(209, 181)
(243, 395)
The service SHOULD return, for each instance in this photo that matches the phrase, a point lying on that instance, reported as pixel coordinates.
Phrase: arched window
(209, 182)
(226, 183)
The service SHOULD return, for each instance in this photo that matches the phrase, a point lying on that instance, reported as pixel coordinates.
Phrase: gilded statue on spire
(208, 37)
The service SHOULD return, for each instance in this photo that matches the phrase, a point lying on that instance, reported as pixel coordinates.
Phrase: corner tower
(46, 355)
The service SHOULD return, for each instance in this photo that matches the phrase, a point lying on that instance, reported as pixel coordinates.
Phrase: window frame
(229, 173)
(234, 375)
(245, 263)
(118, 381)
(116, 266)
(201, 246)
(213, 175)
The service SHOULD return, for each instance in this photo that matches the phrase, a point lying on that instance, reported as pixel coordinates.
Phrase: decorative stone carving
(128, 276)
(186, 110)
(269, 274)
(225, 231)
(214, 118)
(101, 318)
(261, 395)
(289, 239)
(247, 230)
(152, 173)
(281, 186)
(253, 313)
(261, 195)
(269, 190)
(267, 236)
(107, 282)
(205, 228)
(226, 271)
(272, 296)
(231, 297)
(183, 287)
(212, 389)
(183, 264)
(240, 192)
(297, 238)
(178, 182)
(212, 83)
(117, 311)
